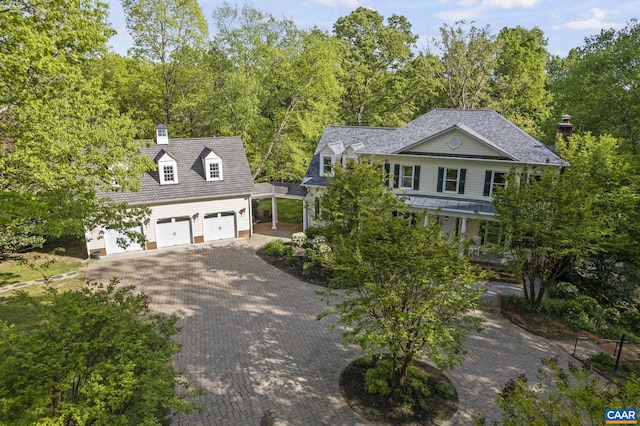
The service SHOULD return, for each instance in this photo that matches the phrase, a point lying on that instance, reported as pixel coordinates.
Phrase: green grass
(289, 210)
(34, 266)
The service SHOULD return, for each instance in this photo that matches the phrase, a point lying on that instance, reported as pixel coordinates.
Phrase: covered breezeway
(274, 191)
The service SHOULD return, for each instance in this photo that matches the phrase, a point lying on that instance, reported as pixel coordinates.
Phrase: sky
(565, 23)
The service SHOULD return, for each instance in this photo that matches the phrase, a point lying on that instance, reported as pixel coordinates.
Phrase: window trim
(161, 172)
(445, 180)
(208, 164)
(323, 164)
(402, 177)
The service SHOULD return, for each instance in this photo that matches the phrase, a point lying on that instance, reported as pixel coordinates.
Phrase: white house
(446, 163)
(201, 191)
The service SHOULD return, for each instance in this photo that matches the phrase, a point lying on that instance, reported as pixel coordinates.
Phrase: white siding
(470, 146)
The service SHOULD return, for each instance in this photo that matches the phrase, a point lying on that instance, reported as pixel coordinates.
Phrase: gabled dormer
(162, 134)
(328, 155)
(351, 153)
(212, 165)
(167, 168)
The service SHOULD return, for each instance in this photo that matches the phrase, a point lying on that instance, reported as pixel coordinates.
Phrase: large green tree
(470, 57)
(549, 220)
(274, 85)
(518, 87)
(374, 53)
(62, 139)
(91, 356)
(408, 291)
(599, 85)
(166, 34)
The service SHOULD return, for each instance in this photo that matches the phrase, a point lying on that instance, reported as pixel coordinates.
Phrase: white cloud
(458, 14)
(508, 4)
(594, 19)
(466, 3)
(338, 3)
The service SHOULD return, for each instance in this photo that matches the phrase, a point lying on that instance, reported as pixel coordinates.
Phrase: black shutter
(487, 183)
(387, 171)
(440, 179)
(463, 177)
(416, 177)
(396, 174)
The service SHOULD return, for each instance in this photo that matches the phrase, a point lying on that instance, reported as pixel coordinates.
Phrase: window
(214, 170)
(162, 133)
(168, 174)
(327, 165)
(493, 180)
(406, 177)
(451, 180)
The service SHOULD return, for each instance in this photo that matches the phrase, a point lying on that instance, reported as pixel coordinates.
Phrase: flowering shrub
(319, 241)
(299, 239)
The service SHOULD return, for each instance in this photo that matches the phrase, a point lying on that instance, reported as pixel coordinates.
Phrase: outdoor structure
(447, 163)
(200, 191)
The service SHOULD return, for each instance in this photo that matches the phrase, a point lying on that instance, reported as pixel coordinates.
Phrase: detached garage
(117, 242)
(219, 226)
(173, 231)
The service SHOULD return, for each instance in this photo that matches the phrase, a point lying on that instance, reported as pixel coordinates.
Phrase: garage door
(173, 231)
(114, 240)
(219, 226)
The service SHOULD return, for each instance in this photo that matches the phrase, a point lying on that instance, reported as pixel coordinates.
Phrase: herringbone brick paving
(251, 339)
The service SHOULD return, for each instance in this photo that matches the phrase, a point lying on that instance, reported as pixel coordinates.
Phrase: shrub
(314, 231)
(563, 290)
(445, 389)
(554, 307)
(291, 261)
(376, 379)
(275, 248)
(318, 241)
(299, 239)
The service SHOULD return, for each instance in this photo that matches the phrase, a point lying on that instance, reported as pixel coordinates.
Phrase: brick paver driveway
(251, 340)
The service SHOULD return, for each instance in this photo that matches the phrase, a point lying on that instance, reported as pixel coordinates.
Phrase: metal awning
(471, 207)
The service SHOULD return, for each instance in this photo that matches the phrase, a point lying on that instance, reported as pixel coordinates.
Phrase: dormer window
(327, 165)
(162, 134)
(167, 169)
(212, 165)
(168, 174)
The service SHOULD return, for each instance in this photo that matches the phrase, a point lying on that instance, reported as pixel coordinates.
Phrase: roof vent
(162, 135)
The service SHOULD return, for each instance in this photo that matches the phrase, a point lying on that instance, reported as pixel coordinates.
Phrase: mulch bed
(384, 410)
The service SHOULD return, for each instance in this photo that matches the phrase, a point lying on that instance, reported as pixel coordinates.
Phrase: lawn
(32, 266)
(289, 210)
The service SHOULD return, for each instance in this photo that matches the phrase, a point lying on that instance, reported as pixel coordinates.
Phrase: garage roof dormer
(212, 165)
(162, 135)
(167, 168)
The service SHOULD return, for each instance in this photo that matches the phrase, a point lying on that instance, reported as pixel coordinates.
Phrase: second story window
(494, 180)
(327, 165)
(168, 174)
(406, 177)
(451, 180)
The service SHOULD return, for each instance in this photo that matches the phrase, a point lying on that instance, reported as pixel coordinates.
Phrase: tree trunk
(399, 375)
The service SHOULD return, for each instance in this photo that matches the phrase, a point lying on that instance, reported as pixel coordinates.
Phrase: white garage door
(173, 231)
(219, 226)
(114, 240)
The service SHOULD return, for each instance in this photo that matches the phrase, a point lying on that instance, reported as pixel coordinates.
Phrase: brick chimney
(565, 127)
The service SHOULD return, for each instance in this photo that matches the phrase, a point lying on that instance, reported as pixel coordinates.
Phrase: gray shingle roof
(358, 137)
(192, 183)
(486, 125)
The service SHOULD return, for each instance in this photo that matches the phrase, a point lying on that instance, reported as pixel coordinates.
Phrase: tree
(275, 86)
(548, 220)
(374, 53)
(97, 356)
(166, 33)
(354, 193)
(563, 397)
(607, 65)
(408, 290)
(470, 58)
(62, 139)
(518, 86)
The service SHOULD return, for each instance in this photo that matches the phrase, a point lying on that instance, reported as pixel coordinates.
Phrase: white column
(463, 231)
(250, 218)
(305, 215)
(274, 213)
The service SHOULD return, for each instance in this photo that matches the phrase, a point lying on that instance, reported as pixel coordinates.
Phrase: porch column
(274, 212)
(463, 231)
(305, 215)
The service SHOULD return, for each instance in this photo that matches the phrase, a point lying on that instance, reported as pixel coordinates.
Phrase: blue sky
(564, 23)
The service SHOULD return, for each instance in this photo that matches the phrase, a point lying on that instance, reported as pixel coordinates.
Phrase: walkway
(251, 339)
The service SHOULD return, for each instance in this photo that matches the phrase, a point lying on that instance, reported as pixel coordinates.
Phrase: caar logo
(621, 417)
